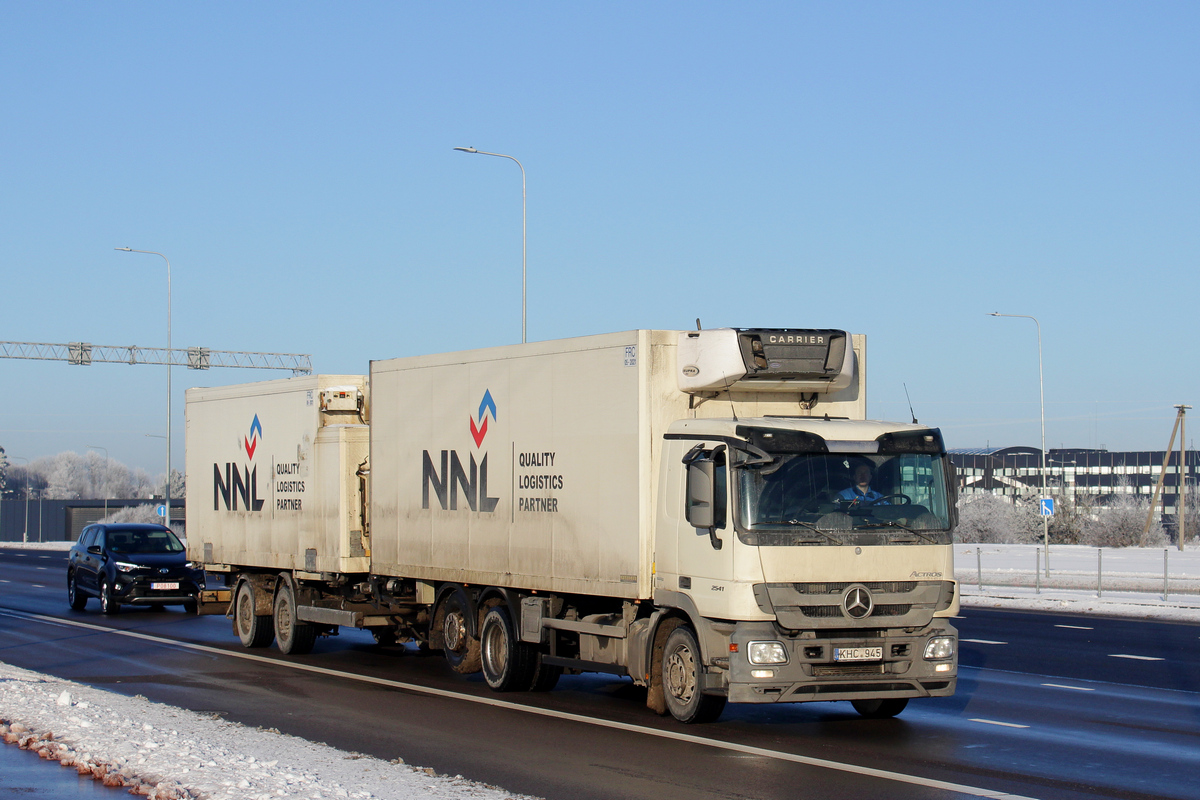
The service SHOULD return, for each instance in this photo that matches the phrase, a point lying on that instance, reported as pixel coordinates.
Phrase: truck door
(706, 544)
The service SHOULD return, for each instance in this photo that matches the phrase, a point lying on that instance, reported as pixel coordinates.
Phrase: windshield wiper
(888, 523)
(813, 527)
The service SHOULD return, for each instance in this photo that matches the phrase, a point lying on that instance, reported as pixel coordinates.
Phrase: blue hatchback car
(131, 564)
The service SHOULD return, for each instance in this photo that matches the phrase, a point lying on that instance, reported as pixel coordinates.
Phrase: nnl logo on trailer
(453, 477)
(237, 483)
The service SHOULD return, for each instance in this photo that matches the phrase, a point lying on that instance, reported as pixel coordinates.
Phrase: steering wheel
(892, 499)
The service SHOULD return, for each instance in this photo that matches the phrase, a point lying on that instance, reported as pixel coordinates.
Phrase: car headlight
(767, 653)
(125, 566)
(939, 647)
(193, 564)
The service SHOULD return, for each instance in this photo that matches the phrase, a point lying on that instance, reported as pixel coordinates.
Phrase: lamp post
(167, 488)
(523, 226)
(105, 449)
(1042, 396)
(25, 535)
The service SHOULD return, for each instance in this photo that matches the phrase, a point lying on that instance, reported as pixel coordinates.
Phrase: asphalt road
(1048, 706)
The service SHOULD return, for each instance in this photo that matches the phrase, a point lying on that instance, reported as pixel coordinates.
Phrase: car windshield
(845, 499)
(143, 542)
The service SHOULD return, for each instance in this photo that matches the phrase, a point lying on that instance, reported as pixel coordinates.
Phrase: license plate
(164, 586)
(858, 654)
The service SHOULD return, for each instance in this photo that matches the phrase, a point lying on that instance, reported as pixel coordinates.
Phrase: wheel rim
(105, 603)
(495, 649)
(244, 610)
(71, 587)
(283, 615)
(680, 674)
(455, 630)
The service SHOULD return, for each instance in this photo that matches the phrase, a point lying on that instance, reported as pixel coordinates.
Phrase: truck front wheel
(683, 680)
(253, 629)
(294, 637)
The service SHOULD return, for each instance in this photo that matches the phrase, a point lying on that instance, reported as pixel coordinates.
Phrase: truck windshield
(833, 499)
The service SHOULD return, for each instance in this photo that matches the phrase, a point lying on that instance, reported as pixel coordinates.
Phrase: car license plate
(164, 586)
(858, 654)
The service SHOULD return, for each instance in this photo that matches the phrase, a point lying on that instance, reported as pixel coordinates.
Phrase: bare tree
(1121, 522)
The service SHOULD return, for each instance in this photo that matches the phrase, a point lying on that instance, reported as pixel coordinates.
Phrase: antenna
(910, 408)
(698, 324)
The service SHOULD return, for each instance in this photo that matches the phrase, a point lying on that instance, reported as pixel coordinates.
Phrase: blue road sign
(162, 510)
(1047, 506)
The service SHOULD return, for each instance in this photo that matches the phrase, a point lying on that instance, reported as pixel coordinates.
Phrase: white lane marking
(981, 641)
(43, 556)
(780, 755)
(37, 586)
(1076, 627)
(1061, 686)
(43, 568)
(996, 722)
(4, 581)
(1138, 658)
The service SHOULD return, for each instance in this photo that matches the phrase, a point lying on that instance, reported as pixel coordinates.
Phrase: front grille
(847, 669)
(821, 611)
(828, 612)
(886, 587)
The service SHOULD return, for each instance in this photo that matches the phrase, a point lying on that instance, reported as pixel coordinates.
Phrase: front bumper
(138, 590)
(812, 674)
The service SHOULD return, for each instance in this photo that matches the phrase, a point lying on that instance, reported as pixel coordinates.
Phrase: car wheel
(190, 607)
(77, 598)
(107, 604)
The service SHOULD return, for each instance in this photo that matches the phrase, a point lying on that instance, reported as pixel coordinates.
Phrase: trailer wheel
(683, 680)
(459, 646)
(293, 636)
(508, 663)
(879, 708)
(253, 629)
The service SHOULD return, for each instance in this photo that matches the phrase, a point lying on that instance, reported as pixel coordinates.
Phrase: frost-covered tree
(69, 475)
(1121, 522)
(991, 519)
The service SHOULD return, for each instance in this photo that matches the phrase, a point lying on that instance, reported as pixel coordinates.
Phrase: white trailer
(677, 507)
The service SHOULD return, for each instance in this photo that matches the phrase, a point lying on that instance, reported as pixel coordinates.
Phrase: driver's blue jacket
(853, 494)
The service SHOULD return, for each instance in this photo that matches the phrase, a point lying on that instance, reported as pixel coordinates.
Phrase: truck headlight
(939, 647)
(767, 653)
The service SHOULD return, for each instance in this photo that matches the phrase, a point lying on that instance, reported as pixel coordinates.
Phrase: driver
(860, 492)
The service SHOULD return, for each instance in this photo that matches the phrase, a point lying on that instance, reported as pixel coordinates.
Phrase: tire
(255, 630)
(107, 604)
(76, 598)
(880, 708)
(545, 677)
(508, 663)
(190, 607)
(295, 638)
(460, 648)
(683, 680)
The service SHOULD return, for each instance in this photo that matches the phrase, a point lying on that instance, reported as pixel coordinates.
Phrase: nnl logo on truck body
(453, 477)
(239, 483)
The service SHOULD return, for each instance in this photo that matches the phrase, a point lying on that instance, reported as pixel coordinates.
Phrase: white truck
(705, 512)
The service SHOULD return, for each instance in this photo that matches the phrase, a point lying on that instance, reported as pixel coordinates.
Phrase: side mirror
(700, 493)
(95, 550)
(701, 497)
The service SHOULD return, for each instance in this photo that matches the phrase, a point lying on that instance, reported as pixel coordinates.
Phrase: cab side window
(720, 488)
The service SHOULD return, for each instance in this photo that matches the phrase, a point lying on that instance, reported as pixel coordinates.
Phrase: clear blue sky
(893, 169)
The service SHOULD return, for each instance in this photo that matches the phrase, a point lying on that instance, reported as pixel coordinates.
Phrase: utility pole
(1181, 410)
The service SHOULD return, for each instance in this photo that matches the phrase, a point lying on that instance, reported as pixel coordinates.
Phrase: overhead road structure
(85, 353)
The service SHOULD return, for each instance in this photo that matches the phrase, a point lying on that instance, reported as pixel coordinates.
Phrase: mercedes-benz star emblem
(857, 602)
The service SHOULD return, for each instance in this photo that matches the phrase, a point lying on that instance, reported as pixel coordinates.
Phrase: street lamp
(1042, 393)
(105, 449)
(523, 220)
(167, 489)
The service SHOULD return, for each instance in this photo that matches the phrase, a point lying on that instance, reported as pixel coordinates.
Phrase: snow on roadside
(170, 753)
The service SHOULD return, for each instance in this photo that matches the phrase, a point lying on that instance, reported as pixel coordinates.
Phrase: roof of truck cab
(829, 429)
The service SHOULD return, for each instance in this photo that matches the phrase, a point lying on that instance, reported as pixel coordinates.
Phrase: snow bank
(171, 754)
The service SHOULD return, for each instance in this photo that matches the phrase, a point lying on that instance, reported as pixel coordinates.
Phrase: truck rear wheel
(253, 629)
(459, 646)
(880, 709)
(294, 637)
(508, 663)
(683, 680)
